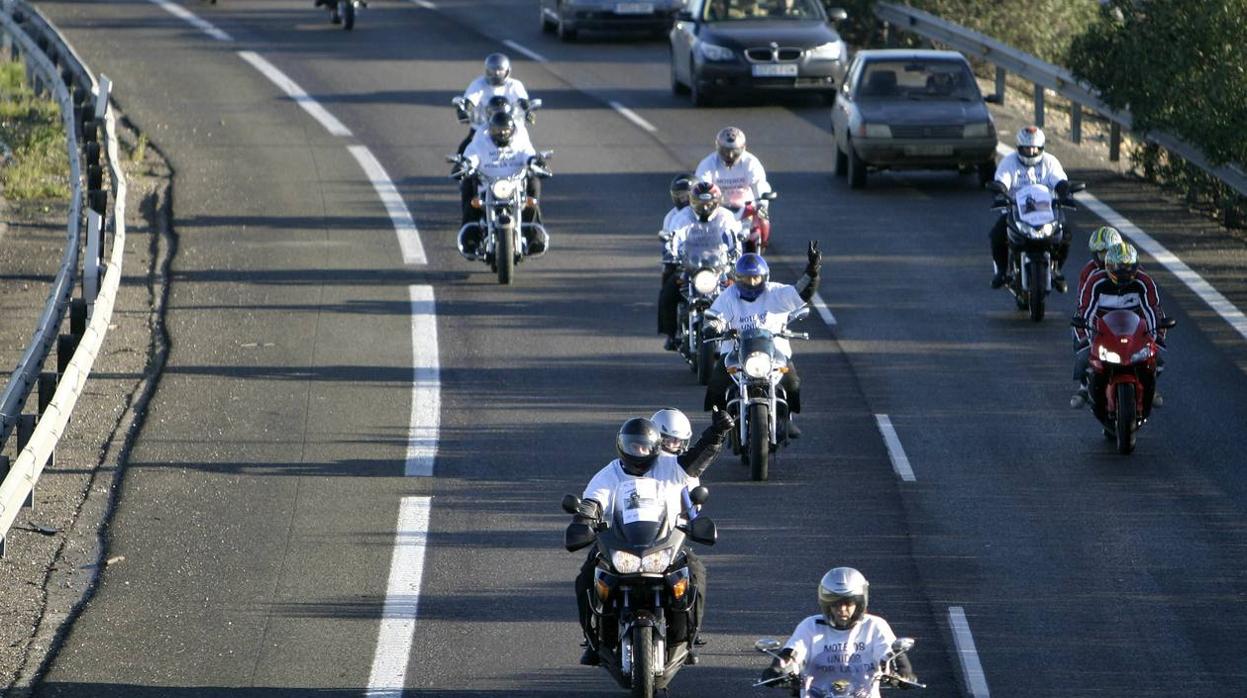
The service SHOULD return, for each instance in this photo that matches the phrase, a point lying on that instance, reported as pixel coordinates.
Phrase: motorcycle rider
(499, 155)
(495, 81)
(705, 226)
(755, 301)
(680, 188)
(334, 16)
(737, 172)
(1121, 284)
(1029, 164)
(639, 444)
(500, 103)
(1102, 238)
(843, 642)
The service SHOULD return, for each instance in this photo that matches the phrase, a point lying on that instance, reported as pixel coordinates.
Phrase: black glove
(815, 259)
(774, 671)
(721, 421)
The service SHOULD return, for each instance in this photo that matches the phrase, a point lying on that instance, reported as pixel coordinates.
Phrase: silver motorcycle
(501, 238)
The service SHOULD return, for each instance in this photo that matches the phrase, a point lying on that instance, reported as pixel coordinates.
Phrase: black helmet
(705, 198)
(501, 129)
(680, 188)
(498, 103)
(638, 444)
(497, 69)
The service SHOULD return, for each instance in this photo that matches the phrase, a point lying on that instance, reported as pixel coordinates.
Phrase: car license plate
(634, 8)
(775, 70)
(928, 150)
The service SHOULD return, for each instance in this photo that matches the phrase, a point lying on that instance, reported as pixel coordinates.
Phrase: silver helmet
(675, 429)
(497, 69)
(842, 584)
(1030, 145)
(730, 144)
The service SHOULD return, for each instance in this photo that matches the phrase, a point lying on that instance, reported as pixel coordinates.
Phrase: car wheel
(701, 96)
(547, 27)
(839, 161)
(856, 168)
(986, 172)
(567, 32)
(677, 87)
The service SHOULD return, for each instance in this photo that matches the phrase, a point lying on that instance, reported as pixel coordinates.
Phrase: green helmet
(1121, 261)
(1103, 238)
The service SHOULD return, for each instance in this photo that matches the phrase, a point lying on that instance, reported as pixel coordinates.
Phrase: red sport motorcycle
(1123, 373)
(756, 224)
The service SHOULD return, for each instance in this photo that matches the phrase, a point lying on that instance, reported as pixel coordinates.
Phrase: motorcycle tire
(1125, 428)
(346, 8)
(759, 441)
(1035, 296)
(505, 255)
(642, 662)
(705, 363)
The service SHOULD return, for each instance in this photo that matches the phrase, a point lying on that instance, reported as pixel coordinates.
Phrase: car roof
(894, 54)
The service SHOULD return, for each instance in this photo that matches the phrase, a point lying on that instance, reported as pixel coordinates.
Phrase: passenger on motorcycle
(705, 226)
(495, 81)
(1121, 284)
(680, 188)
(738, 173)
(500, 103)
(755, 301)
(1102, 238)
(1029, 165)
(498, 155)
(641, 455)
(843, 643)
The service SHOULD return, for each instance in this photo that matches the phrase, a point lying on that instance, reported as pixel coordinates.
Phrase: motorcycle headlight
(658, 562)
(757, 365)
(625, 562)
(1041, 231)
(714, 52)
(828, 52)
(1110, 356)
(502, 189)
(704, 281)
(1141, 355)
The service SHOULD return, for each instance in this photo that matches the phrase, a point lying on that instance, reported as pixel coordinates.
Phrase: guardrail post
(1039, 105)
(26, 429)
(1000, 84)
(47, 389)
(4, 472)
(77, 319)
(1075, 122)
(91, 264)
(66, 344)
(1114, 142)
(92, 151)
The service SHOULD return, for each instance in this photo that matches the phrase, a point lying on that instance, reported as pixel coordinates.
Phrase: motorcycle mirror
(799, 314)
(1078, 322)
(996, 187)
(571, 503)
(702, 530)
(767, 644)
(699, 495)
(534, 104)
(1167, 323)
(771, 195)
(1077, 186)
(902, 645)
(664, 235)
(577, 536)
(452, 158)
(547, 154)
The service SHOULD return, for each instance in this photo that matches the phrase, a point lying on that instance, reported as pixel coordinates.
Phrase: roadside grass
(37, 167)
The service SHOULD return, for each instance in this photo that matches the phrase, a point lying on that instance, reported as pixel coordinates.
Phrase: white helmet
(841, 584)
(1030, 145)
(675, 429)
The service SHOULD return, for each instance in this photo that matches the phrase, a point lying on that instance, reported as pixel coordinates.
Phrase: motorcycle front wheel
(346, 8)
(642, 662)
(1037, 290)
(759, 440)
(504, 255)
(705, 361)
(1125, 418)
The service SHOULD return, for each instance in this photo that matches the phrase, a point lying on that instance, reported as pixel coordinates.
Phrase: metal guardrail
(1047, 76)
(85, 113)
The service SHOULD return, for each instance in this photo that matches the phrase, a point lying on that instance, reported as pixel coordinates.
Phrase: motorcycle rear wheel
(504, 255)
(1125, 431)
(759, 440)
(642, 662)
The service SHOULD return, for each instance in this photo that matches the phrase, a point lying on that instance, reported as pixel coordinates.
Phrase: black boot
(589, 657)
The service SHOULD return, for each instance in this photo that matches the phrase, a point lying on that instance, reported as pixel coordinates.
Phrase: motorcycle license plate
(634, 8)
(928, 150)
(775, 70)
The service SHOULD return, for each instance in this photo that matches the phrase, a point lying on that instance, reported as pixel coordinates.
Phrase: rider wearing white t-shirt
(495, 81)
(1029, 164)
(738, 174)
(666, 476)
(498, 155)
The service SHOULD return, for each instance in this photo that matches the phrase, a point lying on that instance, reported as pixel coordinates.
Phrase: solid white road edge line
(189, 17)
(633, 117)
(426, 390)
(402, 597)
(971, 668)
(291, 88)
(823, 311)
(404, 224)
(900, 462)
(1167, 259)
(526, 51)
(425, 4)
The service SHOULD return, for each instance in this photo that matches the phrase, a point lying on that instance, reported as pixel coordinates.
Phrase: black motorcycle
(642, 586)
(702, 280)
(1036, 225)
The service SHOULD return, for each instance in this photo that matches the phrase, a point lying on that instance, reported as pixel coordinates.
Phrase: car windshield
(918, 80)
(727, 10)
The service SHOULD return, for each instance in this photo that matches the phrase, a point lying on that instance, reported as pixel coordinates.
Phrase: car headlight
(503, 189)
(758, 365)
(1110, 356)
(625, 562)
(704, 281)
(1141, 355)
(658, 562)
(982, 130)
(875, 131)
(713, 52)
(828, 52)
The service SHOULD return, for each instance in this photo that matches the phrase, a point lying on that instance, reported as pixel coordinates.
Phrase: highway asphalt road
(257, 517)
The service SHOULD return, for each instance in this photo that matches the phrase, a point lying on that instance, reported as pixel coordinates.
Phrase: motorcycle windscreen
(1122, 323)
(712, 258)
(641, 511)
(1034, 204)
(756, 339)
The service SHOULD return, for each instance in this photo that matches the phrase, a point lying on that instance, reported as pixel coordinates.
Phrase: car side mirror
(997, 187)
(702, 530)
(577, 536)
(1167, 323)
(837, 14)
(994, 99)
(571, 503)
(699, 495)
(1078, 322)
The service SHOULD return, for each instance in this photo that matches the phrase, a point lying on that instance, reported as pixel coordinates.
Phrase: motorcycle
(703, 276)
(506, 239)
(1122, 376)
(757, 222)
(801, 686)
(342, 11)
(642, 583)
(758, 400)
(1036, 224)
